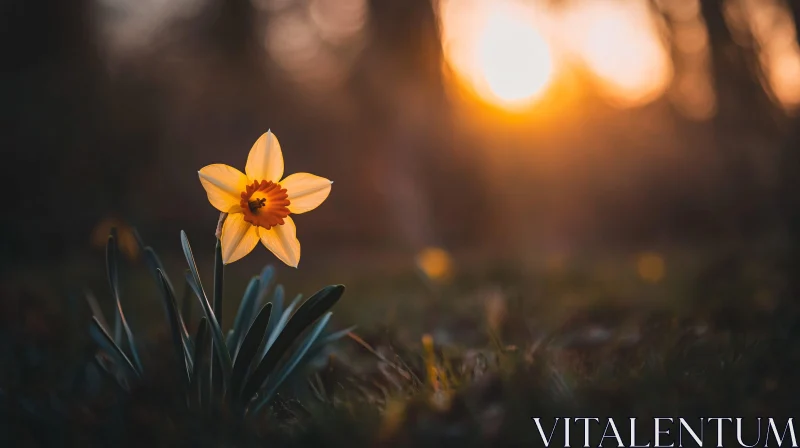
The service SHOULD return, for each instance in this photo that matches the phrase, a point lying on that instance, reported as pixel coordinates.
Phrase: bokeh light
(315, 42)
(651, 267)
(435, 263)
(498, 49)
(513, 58)
(692, 92)
(131, 25)
(772, 26)
(619, 44)
(510, 52)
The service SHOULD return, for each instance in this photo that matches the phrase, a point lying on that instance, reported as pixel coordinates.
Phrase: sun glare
(619, 44)
(497, 48)
(513, 58)
(506, 50)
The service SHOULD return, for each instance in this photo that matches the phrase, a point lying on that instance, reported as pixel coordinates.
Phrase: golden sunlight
(497, 48)
(508, 52)
(619, 44)
(513, 58)
(774, 28)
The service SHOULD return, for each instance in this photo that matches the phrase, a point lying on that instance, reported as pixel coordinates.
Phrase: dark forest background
(98, 132)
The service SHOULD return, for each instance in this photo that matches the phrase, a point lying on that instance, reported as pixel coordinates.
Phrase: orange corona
(265, 204)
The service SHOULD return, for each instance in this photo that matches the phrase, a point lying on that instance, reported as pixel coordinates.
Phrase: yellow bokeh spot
(126, 240)
(651, 267)
(393, 417)
(435, 263)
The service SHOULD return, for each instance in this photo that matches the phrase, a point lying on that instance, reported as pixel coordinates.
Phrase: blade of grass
(107, 344)
(324, 341)
(406, 372)
(216, 333)
(96, 310)
(174, 325)
(194, 282)
(157, 269)
(186, 305)
(202, 359)
(112, 267)
(154, 264)
(113, 276)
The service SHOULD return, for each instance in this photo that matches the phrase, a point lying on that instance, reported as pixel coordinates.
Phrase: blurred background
(492, 141)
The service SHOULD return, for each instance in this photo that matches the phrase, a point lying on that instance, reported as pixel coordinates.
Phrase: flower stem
(218, 232)
(217, 383)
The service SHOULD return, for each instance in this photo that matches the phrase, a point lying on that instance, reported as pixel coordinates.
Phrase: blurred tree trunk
(747, 124)
(400, 87)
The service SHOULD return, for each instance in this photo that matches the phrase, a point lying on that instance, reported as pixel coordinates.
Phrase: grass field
(460, 358)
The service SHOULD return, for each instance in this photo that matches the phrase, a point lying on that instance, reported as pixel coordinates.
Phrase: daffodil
(259, 201)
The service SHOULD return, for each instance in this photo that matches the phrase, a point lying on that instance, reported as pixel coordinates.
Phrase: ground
(462, 360)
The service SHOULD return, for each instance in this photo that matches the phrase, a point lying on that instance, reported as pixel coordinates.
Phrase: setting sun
(510, 52)
(498, 49)
(513, 58)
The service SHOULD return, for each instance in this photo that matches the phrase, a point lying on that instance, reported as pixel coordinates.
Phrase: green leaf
(245, 314)
(112, 272)
(112, 267)
(310, 311)
(216, 381)
(249, 347)
(138, 237)
(267, 276)
(216, 333)
(106, 343)
(157, 270)
(186, 304)
(174, 324)
(96, 310)
(324, 341)
(276, 380)
(154, 264)
(274, 330)
(202, 359)
(187, 253)
(194, 282)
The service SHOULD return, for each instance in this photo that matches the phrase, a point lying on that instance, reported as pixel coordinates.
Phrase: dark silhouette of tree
(399, 86)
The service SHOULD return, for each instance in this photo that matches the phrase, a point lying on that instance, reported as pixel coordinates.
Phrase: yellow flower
(258, 202)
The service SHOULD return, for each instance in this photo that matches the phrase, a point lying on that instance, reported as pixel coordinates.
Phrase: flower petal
(265, 161)
(224, 185)
(306, 191)
(238, 238)
(282, 241)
